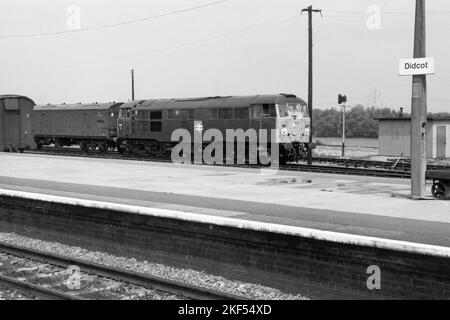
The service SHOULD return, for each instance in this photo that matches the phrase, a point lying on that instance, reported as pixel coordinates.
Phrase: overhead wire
(111, 25)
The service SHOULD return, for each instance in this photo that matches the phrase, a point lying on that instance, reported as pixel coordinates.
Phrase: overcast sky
(234, 47)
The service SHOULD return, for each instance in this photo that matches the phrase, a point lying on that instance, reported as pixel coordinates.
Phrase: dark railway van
(146, 126)
(16, 123)
(441, 183)
(90, 126)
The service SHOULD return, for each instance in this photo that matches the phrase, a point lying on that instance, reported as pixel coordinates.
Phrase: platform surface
(367, 206)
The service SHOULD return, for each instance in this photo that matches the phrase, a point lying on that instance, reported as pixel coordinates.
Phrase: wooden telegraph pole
(132, 84)
(419, 111)
(310, 11)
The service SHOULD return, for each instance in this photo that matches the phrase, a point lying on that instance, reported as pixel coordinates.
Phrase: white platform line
(330, 236)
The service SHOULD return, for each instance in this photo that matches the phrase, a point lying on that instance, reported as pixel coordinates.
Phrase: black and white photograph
(224, 158)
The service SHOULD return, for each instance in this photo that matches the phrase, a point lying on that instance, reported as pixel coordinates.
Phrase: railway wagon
(146, 126)
(15, 123)
(89, 126)
(441, 183)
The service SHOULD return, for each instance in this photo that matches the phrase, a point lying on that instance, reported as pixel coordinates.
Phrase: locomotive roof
(91, 106)
(213, 102)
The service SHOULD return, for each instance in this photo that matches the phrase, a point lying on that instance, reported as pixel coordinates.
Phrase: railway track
(385, 169)
(35, 291)
(48, 291)
(349, 171)
(401, 165)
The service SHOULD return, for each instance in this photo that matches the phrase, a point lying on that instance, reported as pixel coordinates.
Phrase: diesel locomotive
(146, 126)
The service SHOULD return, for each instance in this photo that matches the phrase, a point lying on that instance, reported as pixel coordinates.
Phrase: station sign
(412, 67)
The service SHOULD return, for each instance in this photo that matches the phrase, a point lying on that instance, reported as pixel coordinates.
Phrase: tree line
(360, 121)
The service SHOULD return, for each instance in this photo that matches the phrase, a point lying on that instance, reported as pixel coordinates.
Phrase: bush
(360, 122)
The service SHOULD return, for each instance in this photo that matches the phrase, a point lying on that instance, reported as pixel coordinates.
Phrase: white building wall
(394, 137)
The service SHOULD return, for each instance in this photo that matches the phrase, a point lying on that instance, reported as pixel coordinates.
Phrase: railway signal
(342, 99)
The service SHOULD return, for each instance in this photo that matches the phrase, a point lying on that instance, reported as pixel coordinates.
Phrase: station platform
(374, 207)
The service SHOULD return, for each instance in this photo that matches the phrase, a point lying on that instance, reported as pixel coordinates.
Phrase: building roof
(214, 102)
(90, 106)
(431, 119)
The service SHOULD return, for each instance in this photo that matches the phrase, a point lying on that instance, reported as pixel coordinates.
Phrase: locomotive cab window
(264, 111)
(269, 111)
(292, 109)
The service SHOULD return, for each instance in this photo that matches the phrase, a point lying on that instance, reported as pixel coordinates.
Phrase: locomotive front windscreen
(293, 110)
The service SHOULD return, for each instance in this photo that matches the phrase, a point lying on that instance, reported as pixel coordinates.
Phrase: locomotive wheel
(84, 147)
(139, 149)
(161, 149)
(103, 147)
(438, 190)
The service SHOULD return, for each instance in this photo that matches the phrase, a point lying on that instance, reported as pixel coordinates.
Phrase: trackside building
(394, 137)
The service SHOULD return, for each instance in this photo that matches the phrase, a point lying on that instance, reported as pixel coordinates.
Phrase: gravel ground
(7, 294)
(91, 286)
(193, 277)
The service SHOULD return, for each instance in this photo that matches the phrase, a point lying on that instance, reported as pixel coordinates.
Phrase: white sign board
(411, 67)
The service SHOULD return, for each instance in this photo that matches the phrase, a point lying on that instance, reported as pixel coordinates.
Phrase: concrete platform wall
(315, 268)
